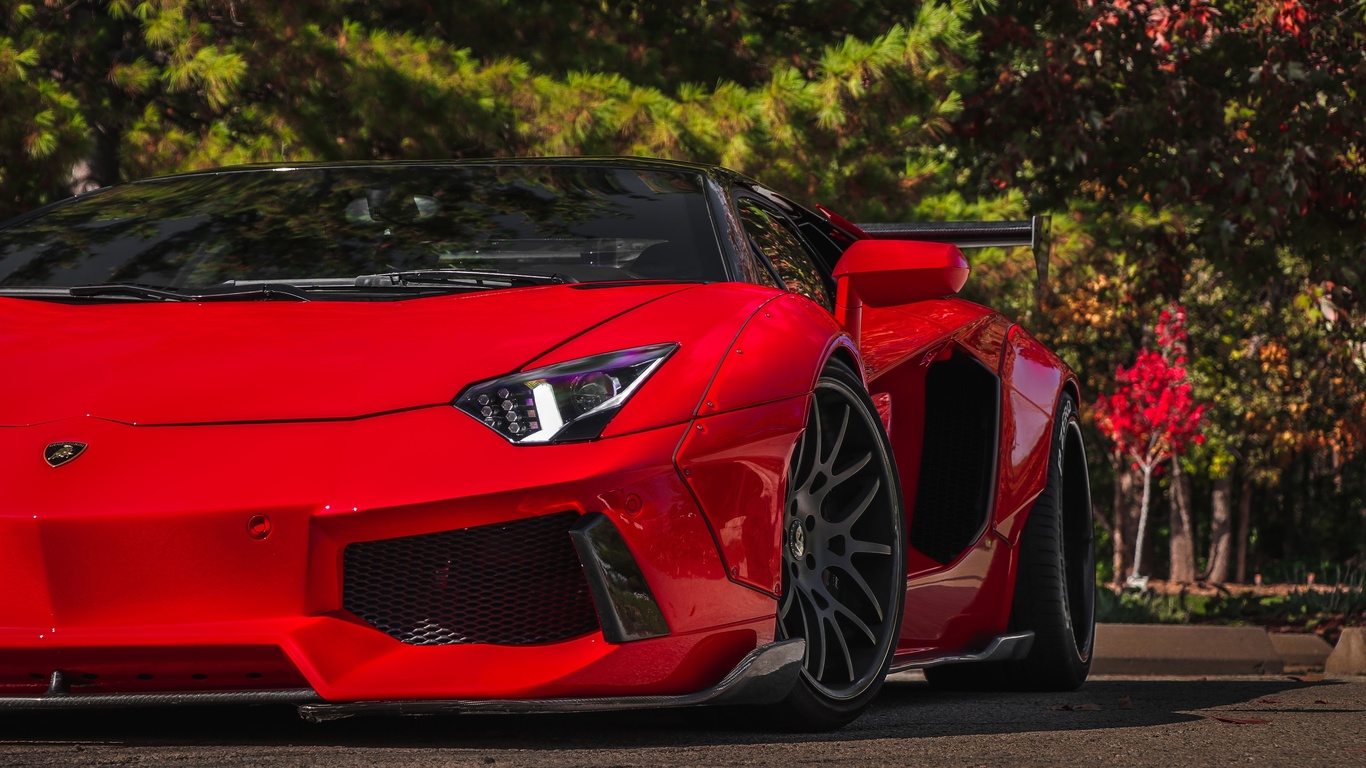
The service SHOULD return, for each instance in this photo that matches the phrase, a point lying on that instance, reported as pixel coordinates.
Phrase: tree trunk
(1244, 527)
(1220, 530)
(1182, 526)
(101, 167)
(1119, 557)
(1137, 569)
(1125, 528)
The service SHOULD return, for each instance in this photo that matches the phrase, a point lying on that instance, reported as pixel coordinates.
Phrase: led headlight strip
(562, 402)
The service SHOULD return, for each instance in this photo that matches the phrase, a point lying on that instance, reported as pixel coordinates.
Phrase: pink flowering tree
(1151, 416)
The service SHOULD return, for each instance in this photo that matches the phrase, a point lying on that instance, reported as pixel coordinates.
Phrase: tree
(124, 90)
(1151, 417)
(1206, 152)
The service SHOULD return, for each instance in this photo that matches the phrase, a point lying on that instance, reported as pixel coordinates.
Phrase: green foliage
(1149, 607)
(180, 84)
(1341, 598)
(1204, 152)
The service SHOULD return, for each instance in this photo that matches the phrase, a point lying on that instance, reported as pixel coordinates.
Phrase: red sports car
(521, 435)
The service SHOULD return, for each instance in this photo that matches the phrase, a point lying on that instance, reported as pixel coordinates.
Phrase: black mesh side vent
(516, 583)
(958, 464)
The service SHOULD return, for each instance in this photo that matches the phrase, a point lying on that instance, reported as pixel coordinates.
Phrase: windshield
(573, 223)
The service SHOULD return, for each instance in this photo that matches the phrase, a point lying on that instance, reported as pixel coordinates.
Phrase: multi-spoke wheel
(843, 555)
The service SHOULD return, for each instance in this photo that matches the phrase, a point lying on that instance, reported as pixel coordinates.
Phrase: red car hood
(180, 363)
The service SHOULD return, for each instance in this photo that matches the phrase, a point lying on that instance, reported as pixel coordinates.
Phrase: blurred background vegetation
(1202, 154)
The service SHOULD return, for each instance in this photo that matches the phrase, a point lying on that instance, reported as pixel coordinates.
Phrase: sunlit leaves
(1151, 413)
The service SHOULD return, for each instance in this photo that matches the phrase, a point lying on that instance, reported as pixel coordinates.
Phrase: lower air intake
(517, 583)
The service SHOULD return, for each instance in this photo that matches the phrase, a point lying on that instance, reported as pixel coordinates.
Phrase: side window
(772, 236)
(755, 271)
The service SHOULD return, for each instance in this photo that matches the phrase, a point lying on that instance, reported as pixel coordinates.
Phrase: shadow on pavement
(906, 709)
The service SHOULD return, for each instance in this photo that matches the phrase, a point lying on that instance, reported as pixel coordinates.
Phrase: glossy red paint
(1033, 369)
(896, 335)
(149, 668)
(965, 603)
(1033, 379)
(985, 337)
(736, 465)
(903, 391)
(961, 606)
(164, 564)
(675, 393)
(886, 273)
(777, 355)
(841, 222)
(235, 449)
(270, 606)
(181, 363)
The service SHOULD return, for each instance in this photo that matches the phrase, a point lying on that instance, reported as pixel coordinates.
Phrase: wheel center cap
(796, 540)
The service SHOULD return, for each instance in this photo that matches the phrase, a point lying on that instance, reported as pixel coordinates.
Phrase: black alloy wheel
(844, 556)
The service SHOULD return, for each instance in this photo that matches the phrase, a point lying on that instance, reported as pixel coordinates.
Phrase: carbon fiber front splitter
(764, 676)
(52, 701)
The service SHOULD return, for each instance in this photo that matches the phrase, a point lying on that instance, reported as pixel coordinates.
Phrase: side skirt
(1003, 648)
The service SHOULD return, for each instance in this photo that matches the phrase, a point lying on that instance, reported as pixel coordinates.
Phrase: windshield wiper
(164, 294)
(298, 290)
(473, 278)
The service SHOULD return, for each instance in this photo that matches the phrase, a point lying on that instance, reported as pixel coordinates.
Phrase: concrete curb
(1349, 657)
(1302, 652)
(1168, 649)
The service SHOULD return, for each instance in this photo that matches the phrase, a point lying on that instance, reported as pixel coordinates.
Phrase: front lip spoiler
(119, 700)
(765, 676)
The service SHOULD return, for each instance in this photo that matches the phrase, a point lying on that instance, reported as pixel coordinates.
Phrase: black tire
(844, 557)
(1055, 585)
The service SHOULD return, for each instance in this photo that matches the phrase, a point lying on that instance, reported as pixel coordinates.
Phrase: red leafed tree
(1151, 416)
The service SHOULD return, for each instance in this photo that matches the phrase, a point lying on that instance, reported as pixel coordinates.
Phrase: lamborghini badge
(57, 454)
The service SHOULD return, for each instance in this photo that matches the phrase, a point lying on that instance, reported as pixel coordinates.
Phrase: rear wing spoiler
(1032, 232)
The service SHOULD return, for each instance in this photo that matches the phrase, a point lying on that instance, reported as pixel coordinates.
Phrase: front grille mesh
(516, 583)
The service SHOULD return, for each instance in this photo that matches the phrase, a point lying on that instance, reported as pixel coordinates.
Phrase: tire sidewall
(1057, 661)
(1067, 419)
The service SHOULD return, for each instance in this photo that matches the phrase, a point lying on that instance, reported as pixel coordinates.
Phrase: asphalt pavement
(1270, 719)
(1213, 713)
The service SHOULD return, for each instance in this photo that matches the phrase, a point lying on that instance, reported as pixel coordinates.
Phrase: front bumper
(209, 558)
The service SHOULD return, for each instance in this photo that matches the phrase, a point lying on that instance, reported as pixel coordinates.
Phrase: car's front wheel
(843, 556)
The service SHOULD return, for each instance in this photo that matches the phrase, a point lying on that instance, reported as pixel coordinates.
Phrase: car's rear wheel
(1055, 587)
(843, 556)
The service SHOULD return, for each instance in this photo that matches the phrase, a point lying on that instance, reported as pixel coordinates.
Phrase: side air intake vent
(958, 464)
(516, 583)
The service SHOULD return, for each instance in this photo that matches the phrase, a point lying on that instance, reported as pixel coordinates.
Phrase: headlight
(562, 402)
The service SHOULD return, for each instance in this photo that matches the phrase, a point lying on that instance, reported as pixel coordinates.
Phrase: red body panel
(777, 355)
(962, 605)
(163, 564)
(123, 565)
(273, 482)
(1033, 379)
(676, 390)
(182, 363)
(736, 465)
